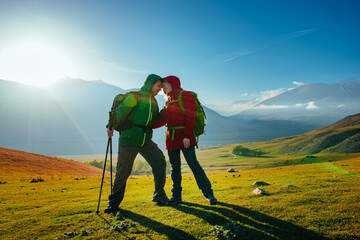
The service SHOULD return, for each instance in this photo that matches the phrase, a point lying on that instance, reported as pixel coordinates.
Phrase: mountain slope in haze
(66, 118)
(319, 104)
(342, 136)
(69, 118)
(233, 130)
(345, 92)
(18, 163)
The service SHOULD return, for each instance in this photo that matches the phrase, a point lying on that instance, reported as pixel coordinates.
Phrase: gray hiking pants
(126, 156)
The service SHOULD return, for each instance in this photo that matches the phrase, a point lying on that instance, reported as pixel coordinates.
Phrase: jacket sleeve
(189, 105)
(126, 107)
(160, 120)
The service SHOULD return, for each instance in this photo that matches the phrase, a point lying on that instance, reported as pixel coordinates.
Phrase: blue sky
(223, 50)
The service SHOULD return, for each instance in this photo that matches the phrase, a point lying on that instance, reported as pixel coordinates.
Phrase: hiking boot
(174, 200)
(212, 200)
(162, 201)
(110, 209)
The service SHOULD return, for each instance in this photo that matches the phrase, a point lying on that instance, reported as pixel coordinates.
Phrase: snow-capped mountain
(312, 103)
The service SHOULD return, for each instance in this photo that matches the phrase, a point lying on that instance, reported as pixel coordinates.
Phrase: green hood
(141, 109)
(150, 80)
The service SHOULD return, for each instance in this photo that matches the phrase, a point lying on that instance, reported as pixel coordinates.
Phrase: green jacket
(140, 108)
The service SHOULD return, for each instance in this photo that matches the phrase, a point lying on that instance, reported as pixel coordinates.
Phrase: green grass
(323, 203)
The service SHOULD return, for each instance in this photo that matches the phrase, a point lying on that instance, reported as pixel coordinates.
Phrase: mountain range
(319, 104)
(69, 116)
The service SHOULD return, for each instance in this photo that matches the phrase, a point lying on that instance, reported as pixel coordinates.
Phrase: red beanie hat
(173, 80)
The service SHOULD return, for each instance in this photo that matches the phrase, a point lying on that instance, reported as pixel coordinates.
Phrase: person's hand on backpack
(186, 142)
(110, 133)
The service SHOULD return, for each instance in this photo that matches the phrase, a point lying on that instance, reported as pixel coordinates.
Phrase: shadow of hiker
(256, 225)
(104, 219)
(170, 232)
(109, 223)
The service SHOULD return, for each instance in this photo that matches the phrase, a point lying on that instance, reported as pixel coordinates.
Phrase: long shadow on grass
(256, 225)
(109, 223)
(170, 232)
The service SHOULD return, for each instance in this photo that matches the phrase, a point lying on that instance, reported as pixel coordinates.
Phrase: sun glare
(34, 64)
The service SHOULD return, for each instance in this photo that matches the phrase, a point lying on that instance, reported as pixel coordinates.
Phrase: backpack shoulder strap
(135, 95)
(117, 100)
(181, 103)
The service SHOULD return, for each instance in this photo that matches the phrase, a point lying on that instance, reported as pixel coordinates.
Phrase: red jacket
(174, 116)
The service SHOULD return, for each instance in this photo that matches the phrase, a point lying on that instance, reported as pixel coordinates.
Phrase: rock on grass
(260, 183)
(259, 191)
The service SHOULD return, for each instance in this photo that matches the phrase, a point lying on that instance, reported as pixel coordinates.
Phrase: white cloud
(298, 83)
(340, 105)
(238, 54)
(233, 108)
(295, 34)
(241, 105)
(263, 106)
(269, 44)
(264, 95)
(311, 105)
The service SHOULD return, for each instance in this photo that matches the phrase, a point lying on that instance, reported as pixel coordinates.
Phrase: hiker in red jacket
(180, 136)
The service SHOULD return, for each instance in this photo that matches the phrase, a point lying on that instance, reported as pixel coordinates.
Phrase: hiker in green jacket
(140, 108)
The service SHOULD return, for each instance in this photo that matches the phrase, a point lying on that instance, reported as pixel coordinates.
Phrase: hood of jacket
(174, 81)
(175, 84)
(150, 80)
(175, 93)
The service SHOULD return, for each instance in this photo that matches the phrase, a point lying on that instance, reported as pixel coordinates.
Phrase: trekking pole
(111, 123)
(103, 174)
(111, 177)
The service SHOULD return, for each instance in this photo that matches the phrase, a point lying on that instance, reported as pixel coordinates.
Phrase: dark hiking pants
(126, 156)
(199, 174)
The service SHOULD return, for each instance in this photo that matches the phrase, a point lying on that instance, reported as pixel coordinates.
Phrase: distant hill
(223, 130)
(68, 117)
(17, 163)
(342, 136)
(314, 104)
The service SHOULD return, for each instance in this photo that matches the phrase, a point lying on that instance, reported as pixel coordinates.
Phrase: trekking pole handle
(111, 124)
(111, 119)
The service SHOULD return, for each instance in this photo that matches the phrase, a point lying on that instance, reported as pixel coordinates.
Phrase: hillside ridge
(342, 136)
(14, 162)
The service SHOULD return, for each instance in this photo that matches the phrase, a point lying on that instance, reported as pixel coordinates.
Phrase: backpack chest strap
(173, 130)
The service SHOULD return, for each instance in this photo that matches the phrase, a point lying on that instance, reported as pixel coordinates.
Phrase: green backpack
(117, 125)
(200, 117)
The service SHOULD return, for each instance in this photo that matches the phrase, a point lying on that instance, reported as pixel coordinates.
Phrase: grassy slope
(18, 163)
(342, 136)
(323, 202)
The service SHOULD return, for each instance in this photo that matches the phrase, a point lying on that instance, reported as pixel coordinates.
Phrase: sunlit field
(322, 202)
